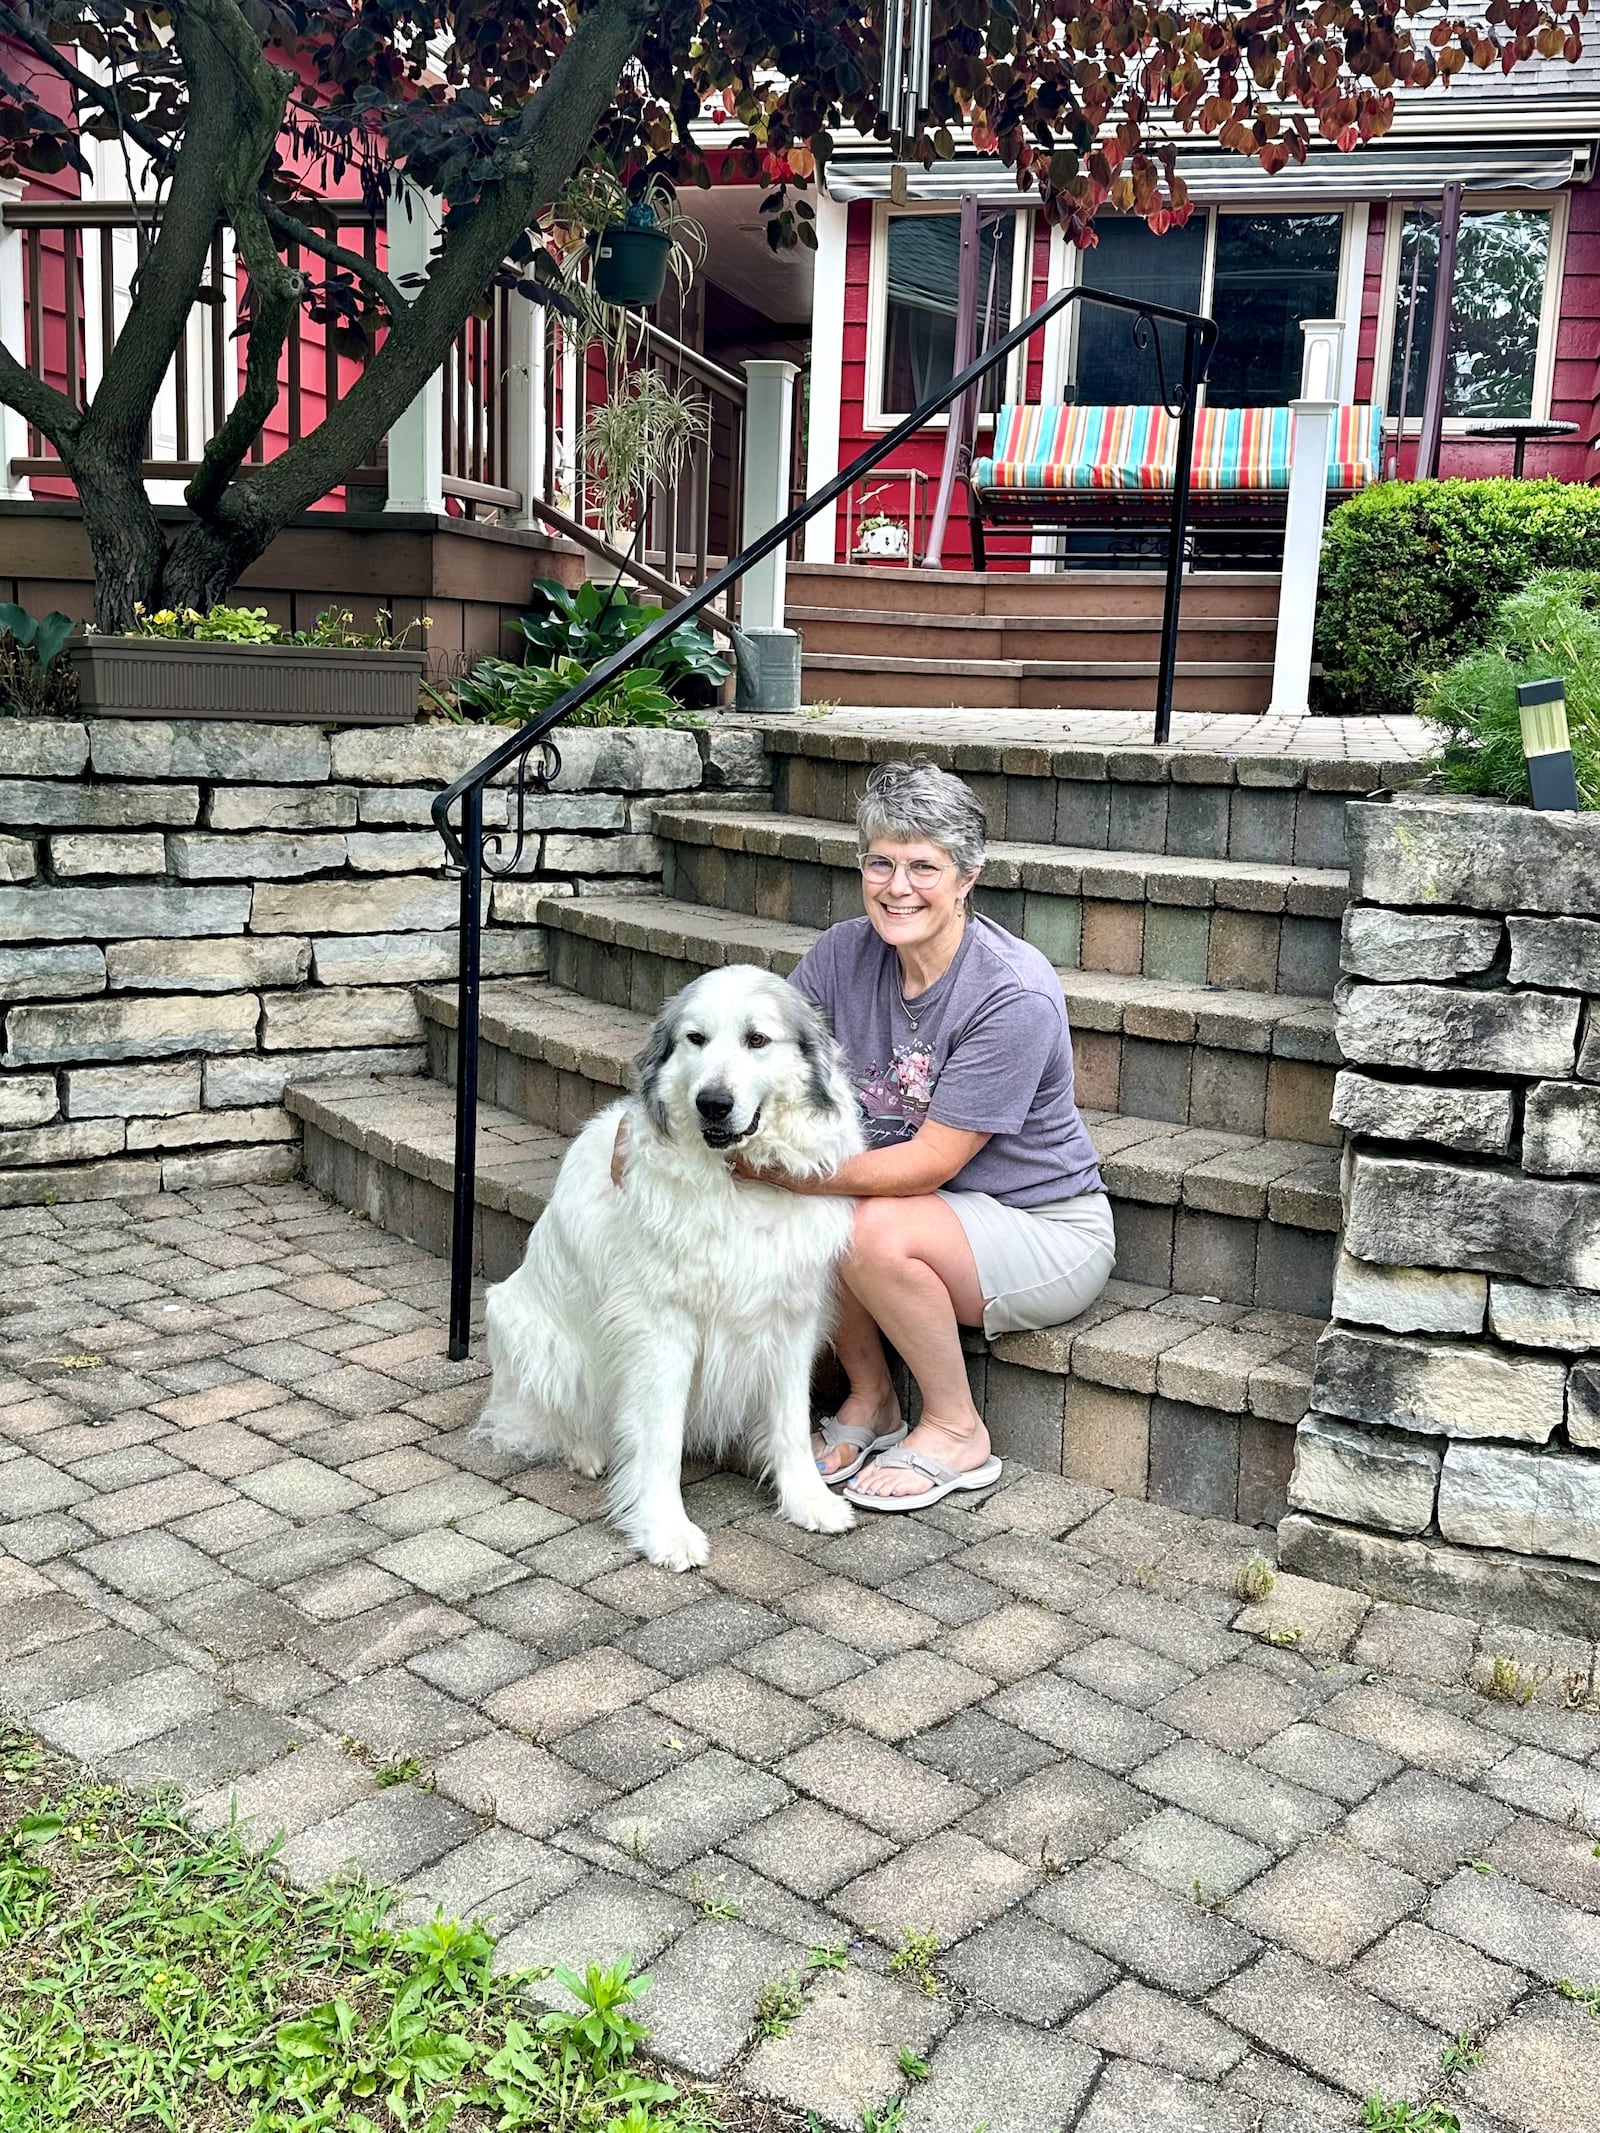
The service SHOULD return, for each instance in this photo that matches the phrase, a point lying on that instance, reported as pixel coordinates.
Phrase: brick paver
(1181, 1863)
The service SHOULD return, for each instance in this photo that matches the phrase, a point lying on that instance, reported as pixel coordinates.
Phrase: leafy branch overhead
(240, 114)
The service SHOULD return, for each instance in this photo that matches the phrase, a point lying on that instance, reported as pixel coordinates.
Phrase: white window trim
(1352, 278)
(1544, 361)
(875, 415)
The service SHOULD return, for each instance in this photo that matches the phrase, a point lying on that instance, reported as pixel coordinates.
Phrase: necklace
(900, 983)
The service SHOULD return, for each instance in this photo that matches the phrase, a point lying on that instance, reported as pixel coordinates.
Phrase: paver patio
(1189, 1865)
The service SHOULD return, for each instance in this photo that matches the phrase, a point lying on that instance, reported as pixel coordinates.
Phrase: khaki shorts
(1037, 1266)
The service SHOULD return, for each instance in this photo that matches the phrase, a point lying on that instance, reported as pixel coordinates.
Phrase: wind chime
(904, 89)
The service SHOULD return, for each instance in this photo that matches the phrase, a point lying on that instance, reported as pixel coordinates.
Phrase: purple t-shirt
(990, 1052)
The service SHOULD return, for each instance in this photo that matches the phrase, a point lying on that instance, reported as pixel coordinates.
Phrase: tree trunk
(125, 536)
(207, 560)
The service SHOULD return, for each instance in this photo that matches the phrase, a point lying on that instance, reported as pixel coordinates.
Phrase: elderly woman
(980, 1195)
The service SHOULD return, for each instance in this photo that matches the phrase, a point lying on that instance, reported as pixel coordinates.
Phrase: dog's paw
(684, 1548)
(824, 1513)
(591, 1465)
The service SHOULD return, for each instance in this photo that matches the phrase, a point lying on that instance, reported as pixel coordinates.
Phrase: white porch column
(416, 442)
(827, 369)
(768, 443)
(1307, 508)
(769, 670)
(13, 333)
(524, 388)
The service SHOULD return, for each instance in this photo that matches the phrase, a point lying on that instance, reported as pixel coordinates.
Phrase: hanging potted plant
(630, 262)
(617, 245)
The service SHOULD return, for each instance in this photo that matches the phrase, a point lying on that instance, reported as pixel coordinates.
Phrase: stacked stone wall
(1452, 1453)
(193, 914)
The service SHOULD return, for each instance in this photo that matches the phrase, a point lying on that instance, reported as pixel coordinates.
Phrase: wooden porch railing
(513, 394)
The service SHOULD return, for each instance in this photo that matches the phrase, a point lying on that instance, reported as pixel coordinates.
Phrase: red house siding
(1575, 383)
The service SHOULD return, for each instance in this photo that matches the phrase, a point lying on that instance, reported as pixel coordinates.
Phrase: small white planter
(888, 543)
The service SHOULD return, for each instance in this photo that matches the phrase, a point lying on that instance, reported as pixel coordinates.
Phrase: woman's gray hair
(918, 803)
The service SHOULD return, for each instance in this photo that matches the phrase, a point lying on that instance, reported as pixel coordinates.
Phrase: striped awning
(1380, 171)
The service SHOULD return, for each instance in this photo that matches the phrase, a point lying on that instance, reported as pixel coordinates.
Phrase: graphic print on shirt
(895, 1102)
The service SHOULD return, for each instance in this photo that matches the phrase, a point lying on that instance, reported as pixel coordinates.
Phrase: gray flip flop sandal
(945, 1481)
(866, 1440)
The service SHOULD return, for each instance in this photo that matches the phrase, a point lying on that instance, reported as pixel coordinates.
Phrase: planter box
(173, 677)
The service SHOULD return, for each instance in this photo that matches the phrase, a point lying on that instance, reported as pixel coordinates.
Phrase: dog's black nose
(715, 1106)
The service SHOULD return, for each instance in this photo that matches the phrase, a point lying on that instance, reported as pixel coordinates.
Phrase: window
(1492, 355)
(924, 256)
(1109, 369)
(1271, 272)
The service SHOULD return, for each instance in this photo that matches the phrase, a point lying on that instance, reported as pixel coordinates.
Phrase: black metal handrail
(467, 846)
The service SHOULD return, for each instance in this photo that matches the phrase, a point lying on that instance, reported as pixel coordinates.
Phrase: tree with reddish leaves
(244, 108)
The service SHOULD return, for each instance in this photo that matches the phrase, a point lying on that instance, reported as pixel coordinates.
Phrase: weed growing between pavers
(1510, 1683)
(1380, 2117)
(150, 1976)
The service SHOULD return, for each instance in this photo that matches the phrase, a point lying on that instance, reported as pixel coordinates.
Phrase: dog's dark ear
(647, 1068)
(818, 1049)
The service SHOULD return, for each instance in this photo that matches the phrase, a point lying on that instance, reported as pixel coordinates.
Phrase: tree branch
(39, 403)
(236, 105)
(551, 135)
(278, 290)
(290, 227)
(154, 145)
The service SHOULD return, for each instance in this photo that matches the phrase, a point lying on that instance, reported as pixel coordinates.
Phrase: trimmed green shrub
(1413, 573)
(1551, 627)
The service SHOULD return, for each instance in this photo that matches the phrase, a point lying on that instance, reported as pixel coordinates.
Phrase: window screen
(1493, 349)
(1272, 271)
(1130, 260)
(920, 327)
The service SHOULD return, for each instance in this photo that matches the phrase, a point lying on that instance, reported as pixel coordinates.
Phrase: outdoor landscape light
(1547, 744)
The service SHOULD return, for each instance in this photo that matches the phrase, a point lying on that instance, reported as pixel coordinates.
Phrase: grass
(778, 2004)
(1586, 1996)
(151, 1977)
(1378, 2116)
(1507, 1682)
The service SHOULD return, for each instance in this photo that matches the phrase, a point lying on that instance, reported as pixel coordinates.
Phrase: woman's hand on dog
(619, 1154)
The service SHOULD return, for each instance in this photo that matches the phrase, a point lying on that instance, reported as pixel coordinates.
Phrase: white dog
(683, 1310)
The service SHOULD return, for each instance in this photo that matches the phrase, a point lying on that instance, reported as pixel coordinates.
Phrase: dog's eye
(695, 1036)
(755, 1040)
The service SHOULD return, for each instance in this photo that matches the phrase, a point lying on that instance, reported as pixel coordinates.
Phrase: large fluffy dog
(684, 1310)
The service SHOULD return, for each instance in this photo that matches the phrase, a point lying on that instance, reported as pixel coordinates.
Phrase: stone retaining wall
(194, 914)
(1452, 1455)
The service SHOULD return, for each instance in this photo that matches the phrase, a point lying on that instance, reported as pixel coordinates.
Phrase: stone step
(1249, 1062)
(1041, 684)
(1151, 1392)
(1075, 638)
(1228, 1215)
(887, 589)
(1247, 925)
(1281, 808)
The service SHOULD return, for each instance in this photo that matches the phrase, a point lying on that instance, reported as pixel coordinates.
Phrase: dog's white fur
(683, 1311)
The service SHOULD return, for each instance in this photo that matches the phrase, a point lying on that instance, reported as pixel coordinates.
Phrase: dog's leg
(646, 1488)
(804, 1498)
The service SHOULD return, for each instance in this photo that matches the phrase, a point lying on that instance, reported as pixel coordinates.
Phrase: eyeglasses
(921, 873)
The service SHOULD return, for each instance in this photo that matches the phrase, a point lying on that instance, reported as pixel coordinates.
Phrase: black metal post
(1180, 527)
(463, 1206)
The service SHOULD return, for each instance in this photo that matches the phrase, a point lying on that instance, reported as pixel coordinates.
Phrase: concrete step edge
(1048, 869)
(1233, 1359)
(1152, 1161)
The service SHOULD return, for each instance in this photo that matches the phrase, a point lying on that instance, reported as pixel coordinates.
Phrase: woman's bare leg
(910, 1273)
